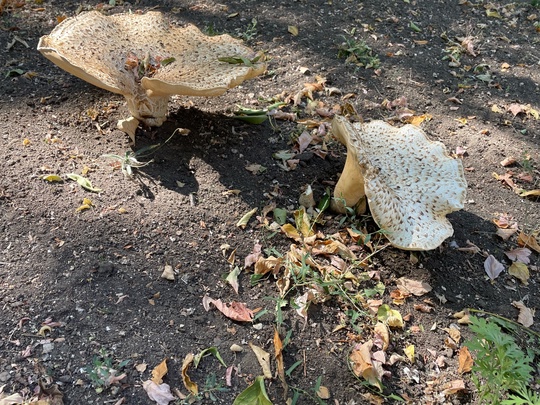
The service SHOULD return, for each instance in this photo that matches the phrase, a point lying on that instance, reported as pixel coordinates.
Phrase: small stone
(4, 376)
(236, 348)
(168, 273)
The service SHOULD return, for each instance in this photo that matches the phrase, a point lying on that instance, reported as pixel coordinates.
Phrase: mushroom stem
(149, 109)
(349, 191)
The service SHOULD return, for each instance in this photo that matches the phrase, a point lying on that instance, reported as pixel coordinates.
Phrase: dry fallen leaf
(520, 271)
(465, 360)
(519, 255)
(409, 352)
(264, 360)
(362, 365)
(190, 385)
(415, 287)
(454, 387)
(381, 334)
(159, 393)
(493, 267)
(159, 371)
(278, 349)
(528, 241)
(236, 311)
(526, 315)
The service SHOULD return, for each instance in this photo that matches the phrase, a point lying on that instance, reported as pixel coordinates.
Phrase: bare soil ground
(94, 276)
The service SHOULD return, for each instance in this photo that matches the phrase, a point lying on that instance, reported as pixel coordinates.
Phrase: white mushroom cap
(410, 182)
(108, 51)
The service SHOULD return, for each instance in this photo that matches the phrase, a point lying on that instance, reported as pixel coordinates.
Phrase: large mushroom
(410, 182)
(144, 58)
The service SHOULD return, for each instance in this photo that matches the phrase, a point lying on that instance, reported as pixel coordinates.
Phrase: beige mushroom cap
(411, 183)
(97, 48)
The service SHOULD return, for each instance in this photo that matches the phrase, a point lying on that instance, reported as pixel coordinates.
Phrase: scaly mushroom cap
(410, 182)
(146, 59)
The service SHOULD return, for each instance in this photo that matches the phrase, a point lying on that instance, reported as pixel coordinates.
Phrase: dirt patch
(97, 271)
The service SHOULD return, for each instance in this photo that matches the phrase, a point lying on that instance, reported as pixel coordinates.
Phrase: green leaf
(83, 182)
(14, 72)
(167, 61)
(253, 119)
(211, 350)
(414, 27)
(280, 216)
(52, 178)
(255, 394)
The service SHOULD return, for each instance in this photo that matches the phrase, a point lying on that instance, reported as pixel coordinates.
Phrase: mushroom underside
(410, 182)
(146, 59)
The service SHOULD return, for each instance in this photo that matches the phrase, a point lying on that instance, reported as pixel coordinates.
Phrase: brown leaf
(526, 315)
(267, 265)
(362, 365)
(508, 161)
(236, 311)
(465, 360)
(423, 308)
(415, 287)
(159, 371)
(454, 387)
(278, 348)
(528, 241)
(190, 385)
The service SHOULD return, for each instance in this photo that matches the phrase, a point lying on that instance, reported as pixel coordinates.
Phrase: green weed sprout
(500, 366)
(130, 159)
(102, 373)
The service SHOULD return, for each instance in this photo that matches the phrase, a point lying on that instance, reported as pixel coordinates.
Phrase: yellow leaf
(323, 392)
(85, 170)
(496, 109)
(519, 271)
(122, 210)
(190, 385)
(52, 178)
(418, 119)
(45, 330)
(533, 112)
(26, 142)
(465, 360)
(269, 264)
(245, 219)
(159, 371)
(87, 201)
(83, 207)
(493, 14)
(409, 352)
(291, 232)
(293, 30)
(264, 360)
(462, 120)
(535, 193)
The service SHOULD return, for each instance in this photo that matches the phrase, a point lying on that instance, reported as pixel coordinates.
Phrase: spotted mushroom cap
(411, 183)
(108, 50)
